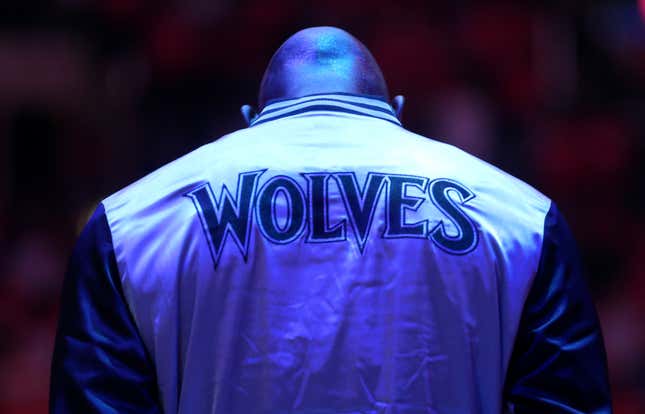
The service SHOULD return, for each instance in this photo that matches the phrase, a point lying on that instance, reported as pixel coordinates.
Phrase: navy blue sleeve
(558, 363)
(100, 364)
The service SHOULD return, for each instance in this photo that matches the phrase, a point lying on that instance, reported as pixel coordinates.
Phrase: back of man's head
(321, 60)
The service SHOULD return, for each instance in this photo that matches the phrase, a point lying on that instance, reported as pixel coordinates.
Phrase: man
(326, 260)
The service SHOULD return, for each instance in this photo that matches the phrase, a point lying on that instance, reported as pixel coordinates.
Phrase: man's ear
(397, 104)
(248, 113)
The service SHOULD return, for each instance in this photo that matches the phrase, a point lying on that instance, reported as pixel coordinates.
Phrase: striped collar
(325, 103)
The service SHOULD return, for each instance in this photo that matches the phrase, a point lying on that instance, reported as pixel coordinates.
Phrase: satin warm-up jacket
(327, 260)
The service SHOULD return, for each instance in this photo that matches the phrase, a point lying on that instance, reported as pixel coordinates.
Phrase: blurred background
(94, 94)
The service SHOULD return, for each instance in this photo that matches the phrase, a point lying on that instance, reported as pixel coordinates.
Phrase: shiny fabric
(559, 363)
(326, 260)
(100, 364)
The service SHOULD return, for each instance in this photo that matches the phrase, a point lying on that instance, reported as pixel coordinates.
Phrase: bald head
(321, 60)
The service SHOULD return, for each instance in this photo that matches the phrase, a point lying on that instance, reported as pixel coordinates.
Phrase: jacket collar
(325, 104)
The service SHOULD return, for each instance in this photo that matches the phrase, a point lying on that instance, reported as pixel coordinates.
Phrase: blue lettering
(466, 239)
(398, 202)
(360, 202)
(281, 189)
(318, 195)
(227, 215)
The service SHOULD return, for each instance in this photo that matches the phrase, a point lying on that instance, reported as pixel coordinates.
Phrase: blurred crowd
(97, 93)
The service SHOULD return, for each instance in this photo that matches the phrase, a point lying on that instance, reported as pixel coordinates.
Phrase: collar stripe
(344, 96)
(330, 100)
(324, 108)
(367, 109)
(344, 103)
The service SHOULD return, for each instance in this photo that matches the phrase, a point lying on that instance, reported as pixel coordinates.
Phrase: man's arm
(100, 364)
(558, 363)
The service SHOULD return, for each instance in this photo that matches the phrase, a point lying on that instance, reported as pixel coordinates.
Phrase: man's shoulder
(504, 207)
(460, 165)
(170, 178)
